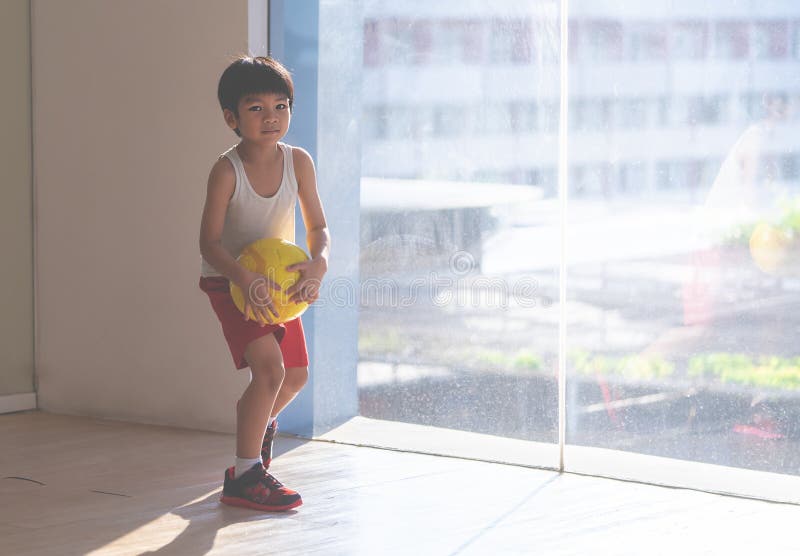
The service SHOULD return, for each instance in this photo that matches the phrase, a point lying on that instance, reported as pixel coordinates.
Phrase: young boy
(252, 192)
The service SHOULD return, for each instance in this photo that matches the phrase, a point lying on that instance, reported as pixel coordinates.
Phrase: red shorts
(239, 332)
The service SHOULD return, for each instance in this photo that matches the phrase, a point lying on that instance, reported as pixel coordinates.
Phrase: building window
(510, 42)
(372, 43)
(474, 42)
(680, 174)
(574, 37)
(450, 120)
(422, 41)
(601, 40)
(796, 40)
(689, 40)
(632, 178)
(375, 122)
(770, 39)
(592, 114)
(523, 117)
(645, 41)
(790, 167)
(707, 110)
(631, 113)
(398, 41)
(495, 118)
(449, 42)
(731, 41)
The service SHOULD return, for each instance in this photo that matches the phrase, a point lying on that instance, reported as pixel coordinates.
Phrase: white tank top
(251, 216)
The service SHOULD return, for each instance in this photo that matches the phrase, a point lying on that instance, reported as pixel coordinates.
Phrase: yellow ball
(270, 257)
(769, 247)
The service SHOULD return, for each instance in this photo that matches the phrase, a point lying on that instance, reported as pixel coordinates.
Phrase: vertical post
(326, 125)
(257, 27)
(563, 196)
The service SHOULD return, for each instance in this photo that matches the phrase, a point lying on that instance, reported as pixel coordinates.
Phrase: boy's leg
(255, 488)
(295, 357)
(293, 381)
(255, 406)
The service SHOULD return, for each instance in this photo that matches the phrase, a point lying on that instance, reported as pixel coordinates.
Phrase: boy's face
(262, 118)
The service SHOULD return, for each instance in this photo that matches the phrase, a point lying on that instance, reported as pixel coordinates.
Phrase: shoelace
(271, 482)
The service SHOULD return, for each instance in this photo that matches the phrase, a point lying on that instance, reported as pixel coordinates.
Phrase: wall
(126, 128)
(16, 212)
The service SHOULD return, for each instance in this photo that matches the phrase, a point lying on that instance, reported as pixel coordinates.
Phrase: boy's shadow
(208, 516)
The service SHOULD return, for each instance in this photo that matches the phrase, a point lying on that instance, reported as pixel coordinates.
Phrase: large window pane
(459, 220)
(683, 226)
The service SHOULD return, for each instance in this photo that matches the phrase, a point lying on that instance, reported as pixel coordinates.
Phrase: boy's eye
(281, 107)
(255, 109)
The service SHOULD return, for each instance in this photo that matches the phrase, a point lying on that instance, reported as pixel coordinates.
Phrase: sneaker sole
(243, 503)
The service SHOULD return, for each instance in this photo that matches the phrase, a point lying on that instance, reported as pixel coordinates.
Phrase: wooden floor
(73, 485)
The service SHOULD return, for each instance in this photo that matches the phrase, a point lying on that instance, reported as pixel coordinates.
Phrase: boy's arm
(221, 184)
(317, 236)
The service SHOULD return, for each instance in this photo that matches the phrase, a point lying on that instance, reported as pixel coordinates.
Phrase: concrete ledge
(422, 439)
(706, 477)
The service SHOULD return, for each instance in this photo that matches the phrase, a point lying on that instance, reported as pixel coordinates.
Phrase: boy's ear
(230, 118)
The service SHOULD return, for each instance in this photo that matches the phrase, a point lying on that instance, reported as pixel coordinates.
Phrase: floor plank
(111, 488)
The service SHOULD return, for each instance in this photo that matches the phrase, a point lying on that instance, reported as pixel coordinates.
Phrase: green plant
(524, 360)
(632, 366)
(527, 360)
(380, 341)
(735, 368)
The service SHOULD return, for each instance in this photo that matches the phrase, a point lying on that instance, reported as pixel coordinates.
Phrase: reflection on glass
(684, 233)
(459, 222)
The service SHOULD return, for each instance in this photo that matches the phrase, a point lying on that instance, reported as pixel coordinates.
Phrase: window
(707, 110)
(601, 40)
(676, 342)
(399, 42)
(450, 120)
(790, 168)
(524, 116)
(646, 41)
(375, 124)
(731, 40)
(631, 113)
(372, 41)
(510, 42)
(796, 40)
(689, 40)
(632, 178)
(770, 39)
(449, 42)
(592, 114)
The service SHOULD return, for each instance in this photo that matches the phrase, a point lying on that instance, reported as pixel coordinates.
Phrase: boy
(252, 192)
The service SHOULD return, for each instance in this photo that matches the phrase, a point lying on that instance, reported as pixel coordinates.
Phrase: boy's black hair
(253, 75)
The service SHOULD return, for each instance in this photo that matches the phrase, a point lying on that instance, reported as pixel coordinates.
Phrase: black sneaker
(258, 490)
(266, 445)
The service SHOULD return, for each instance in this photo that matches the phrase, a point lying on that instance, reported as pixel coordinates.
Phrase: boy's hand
(307, 287)
(258, 299)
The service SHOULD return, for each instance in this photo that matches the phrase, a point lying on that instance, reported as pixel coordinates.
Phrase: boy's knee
(264, 357)
(296, 378)
(272, 372)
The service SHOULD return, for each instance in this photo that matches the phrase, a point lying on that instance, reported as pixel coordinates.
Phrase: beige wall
(16, 215)
(126, 128)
